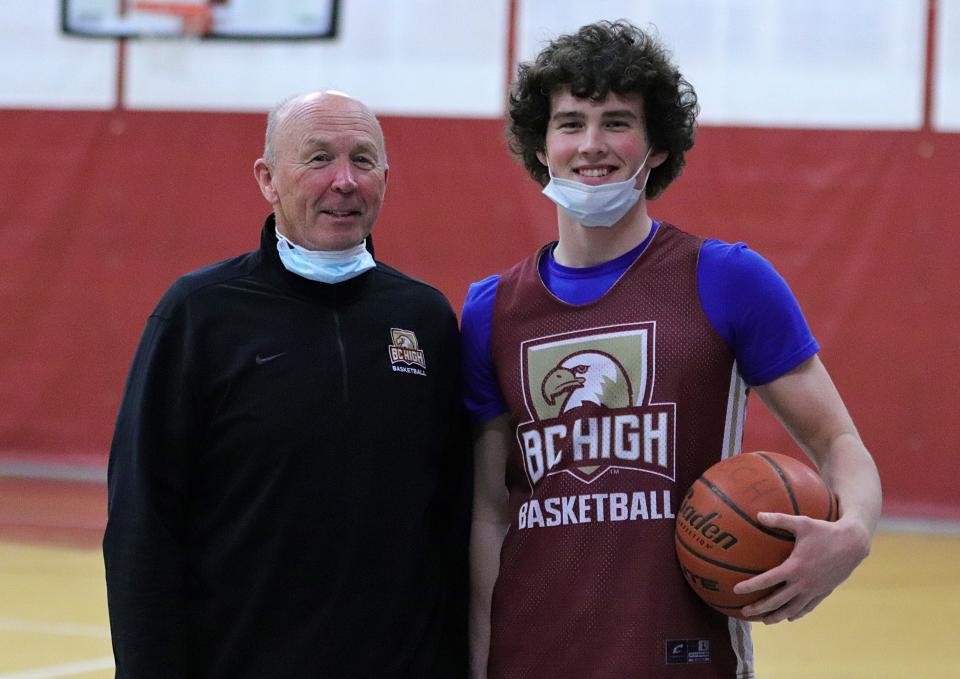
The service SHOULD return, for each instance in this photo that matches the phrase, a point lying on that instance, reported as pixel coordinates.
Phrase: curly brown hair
(598, 59)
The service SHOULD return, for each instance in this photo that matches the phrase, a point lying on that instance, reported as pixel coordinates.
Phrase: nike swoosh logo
(266, 359)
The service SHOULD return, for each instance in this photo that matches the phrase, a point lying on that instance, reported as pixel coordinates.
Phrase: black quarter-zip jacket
(288, 492)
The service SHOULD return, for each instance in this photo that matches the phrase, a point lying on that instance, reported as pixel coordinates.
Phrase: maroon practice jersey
(618, 406)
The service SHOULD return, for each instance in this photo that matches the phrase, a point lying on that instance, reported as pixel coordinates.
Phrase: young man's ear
(656, 159)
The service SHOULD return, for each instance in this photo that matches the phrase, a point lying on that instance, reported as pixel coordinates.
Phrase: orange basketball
(718, 538)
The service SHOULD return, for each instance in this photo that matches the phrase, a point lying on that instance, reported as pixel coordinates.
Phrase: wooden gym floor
(892, 620)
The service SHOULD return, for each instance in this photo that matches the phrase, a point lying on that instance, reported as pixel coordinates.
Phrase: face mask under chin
(601, 205)
(324, 266)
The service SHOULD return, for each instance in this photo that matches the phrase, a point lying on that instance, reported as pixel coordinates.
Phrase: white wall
(402, 57)
(946, 84)
(789, 63)
(44, 69)
(815, 63)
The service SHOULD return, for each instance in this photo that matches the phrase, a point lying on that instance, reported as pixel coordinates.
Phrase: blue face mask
(334, 266)
(600, 205)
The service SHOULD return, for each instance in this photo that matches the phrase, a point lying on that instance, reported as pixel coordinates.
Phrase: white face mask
(600, 205)
(334, 266)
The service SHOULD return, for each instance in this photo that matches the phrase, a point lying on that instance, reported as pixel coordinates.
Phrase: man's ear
(264, 177)
(656, 159)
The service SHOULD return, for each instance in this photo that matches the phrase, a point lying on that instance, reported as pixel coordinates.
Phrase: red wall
(102, 210)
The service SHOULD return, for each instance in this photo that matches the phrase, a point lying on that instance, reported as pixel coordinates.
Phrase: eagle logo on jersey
(588, 377)
(589, 395)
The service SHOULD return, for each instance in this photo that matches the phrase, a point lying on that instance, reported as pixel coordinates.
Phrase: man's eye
(364, 161)
(321, 158)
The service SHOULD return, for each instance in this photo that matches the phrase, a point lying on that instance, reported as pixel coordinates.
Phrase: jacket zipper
(343, 357)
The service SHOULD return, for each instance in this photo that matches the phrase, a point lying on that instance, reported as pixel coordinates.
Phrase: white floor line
(54, 472)
(63, 670)
(922, 526)
(61, 628)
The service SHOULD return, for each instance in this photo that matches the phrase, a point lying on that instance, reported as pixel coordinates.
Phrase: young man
(608, 370)
(286, 476)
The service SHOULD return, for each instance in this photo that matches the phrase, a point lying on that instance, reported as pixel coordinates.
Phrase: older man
(287, 471)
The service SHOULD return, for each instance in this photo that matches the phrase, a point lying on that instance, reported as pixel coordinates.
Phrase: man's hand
(825, 554)
(806, 401)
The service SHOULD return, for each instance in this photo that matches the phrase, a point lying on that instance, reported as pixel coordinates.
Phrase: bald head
(336, 103)
(324, 170)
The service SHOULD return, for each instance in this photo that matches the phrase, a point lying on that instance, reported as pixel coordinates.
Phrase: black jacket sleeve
(148, 476)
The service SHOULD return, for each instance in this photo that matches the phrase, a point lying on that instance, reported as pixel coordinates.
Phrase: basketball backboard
(233, 19)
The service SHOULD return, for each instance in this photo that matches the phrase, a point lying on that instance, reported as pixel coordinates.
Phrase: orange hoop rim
(183, 9)
(195, 17)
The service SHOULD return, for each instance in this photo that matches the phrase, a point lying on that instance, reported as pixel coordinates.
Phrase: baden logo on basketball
(589, 396)
(701, 527)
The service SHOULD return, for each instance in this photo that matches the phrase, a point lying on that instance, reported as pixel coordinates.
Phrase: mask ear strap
(549, 171)
(640, 167)
(643, 188)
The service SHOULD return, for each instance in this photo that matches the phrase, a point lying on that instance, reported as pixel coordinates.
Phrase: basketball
(719, 540)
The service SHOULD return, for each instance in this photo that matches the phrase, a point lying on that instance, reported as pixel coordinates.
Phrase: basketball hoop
(196, 19)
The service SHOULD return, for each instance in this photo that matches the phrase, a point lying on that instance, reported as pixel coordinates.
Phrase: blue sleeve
(482, 395)
(752, 308)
